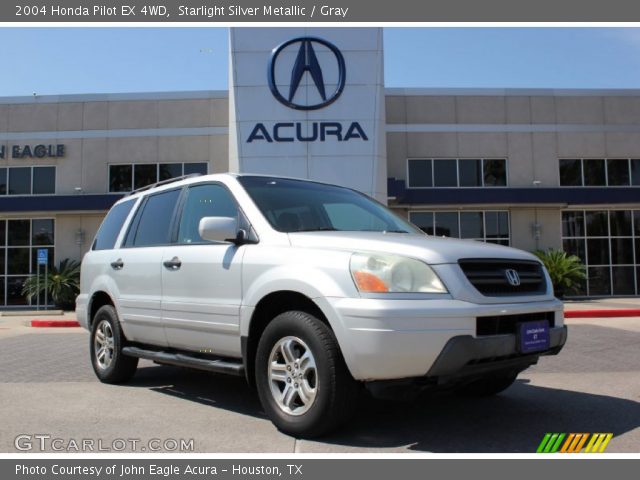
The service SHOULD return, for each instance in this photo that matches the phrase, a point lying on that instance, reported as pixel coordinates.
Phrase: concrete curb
(603, 313)
(54, 323)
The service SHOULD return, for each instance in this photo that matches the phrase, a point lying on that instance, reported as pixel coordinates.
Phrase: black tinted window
(204, 201)
(111, 225)
(155, 220)
(44, 180)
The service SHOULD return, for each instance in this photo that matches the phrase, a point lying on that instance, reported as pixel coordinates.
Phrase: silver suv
(310, 291)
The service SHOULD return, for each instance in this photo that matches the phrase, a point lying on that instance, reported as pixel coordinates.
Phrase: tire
(109, 364)
(487, 386)
(321, 392)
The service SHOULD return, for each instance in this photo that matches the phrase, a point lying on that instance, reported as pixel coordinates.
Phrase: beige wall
(86, 160)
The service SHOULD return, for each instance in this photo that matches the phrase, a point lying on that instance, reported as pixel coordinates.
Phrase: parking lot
(47, 387)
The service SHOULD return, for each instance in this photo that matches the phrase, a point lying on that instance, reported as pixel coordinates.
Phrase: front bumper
(394, 339)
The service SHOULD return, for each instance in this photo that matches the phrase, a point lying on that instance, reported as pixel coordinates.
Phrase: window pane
(597, 224)
(620, 223)
(42, 232)
(420, 174)
(205, 201)
(422, 220)
(447, 224)
(573, 224)
(3, 258)
(622, 251)
(635, 172)
(111, 225)
(618, 172)
(170, 170)
(153, 228)
(470, 173)
(598, 251)
(570, 173)
(19, 232)
(17, 261)
(445, 173)
(200, 168)
(495, 173)
(2, 298)
(144, 175)
(44, 180)
(3, 232)
(575, 246)
(3, 185)
(14, 291)
(20, 181)
(497, 224)
(471, 225)
(599, 281)
(623, 283)
(120, 178)
(636, 224)
(594, 173)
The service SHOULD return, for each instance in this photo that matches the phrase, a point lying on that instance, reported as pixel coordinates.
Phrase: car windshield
(301, 206)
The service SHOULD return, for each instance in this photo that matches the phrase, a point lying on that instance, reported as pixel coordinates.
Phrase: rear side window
(111, 225)
(208, 200)
(153, 227)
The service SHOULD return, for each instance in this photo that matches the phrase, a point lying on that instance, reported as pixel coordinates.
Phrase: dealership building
(533, 169)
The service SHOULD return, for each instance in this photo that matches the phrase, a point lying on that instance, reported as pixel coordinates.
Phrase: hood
(432, 250)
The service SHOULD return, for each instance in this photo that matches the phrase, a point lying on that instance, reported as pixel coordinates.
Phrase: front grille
(490, 276)
(508, 324)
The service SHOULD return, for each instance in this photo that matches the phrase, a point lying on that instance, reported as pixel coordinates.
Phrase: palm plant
(566, 271)
(63, 285)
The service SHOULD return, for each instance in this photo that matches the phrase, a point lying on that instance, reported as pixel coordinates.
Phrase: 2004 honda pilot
(309, 290)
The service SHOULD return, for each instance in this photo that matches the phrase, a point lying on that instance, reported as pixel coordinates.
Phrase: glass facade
(128, 177)
(454, 172)
(593, 172)
(20, 240)
(608, 242)
(36, 180)
(487, 226)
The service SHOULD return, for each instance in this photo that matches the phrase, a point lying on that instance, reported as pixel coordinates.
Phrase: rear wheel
(302, 380)
(106, 343)
(487, 386)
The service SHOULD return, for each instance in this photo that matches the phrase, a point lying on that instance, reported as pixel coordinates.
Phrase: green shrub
(566, 271)
(63, 285)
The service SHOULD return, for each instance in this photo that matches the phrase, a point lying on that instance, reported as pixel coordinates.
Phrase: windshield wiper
(318, 229)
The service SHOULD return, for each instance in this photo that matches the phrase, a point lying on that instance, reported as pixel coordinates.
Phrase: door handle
(118, 264)
(173, 264)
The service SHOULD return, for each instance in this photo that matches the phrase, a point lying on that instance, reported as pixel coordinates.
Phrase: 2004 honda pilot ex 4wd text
(309, 290)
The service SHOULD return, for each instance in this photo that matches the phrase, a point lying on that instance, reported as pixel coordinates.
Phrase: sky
(108, 60)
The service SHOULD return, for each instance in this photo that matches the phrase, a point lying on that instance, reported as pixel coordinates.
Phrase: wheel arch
(268, 308)
(98, 299)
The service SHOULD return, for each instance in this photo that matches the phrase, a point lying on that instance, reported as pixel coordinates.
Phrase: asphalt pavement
(47, 388)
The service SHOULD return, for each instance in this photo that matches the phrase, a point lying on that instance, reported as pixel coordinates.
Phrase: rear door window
(152, 226)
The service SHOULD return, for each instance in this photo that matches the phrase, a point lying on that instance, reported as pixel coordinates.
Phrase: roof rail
(163, 182)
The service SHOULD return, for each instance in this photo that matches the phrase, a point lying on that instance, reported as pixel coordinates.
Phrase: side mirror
(218, 229)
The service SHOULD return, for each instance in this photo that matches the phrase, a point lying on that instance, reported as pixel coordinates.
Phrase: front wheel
(302, 380)
(106, 343)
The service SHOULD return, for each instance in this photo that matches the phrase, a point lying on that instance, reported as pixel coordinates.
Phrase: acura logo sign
(512, 277)
(307, 63)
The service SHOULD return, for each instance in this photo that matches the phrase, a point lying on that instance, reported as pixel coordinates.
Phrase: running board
(228, 366)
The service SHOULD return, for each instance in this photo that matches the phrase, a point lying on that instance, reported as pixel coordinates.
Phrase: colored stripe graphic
(574, 442)
(598, 442)
(550, 443)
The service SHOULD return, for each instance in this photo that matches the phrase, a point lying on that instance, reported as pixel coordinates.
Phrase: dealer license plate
(533, 336)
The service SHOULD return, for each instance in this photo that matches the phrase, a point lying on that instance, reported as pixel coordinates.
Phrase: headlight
(374, 273)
